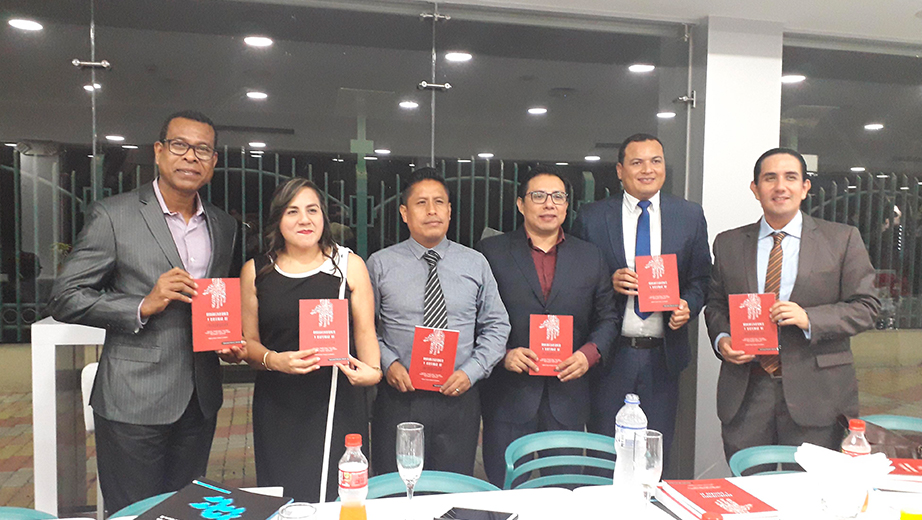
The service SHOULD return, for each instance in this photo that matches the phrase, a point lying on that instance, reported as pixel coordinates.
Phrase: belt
(755, 368)
(640, 342)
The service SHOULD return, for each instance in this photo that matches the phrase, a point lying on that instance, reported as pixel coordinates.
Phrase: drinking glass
(297, 511)
(648, 460)
(410, 453)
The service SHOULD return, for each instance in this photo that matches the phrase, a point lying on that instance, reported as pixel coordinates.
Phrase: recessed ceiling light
(874, 126)
(464, 160)
(666, 115)
(857, 168)
(641, 67)
(25, 25)
(852, 187)
(257, 152)
(94, 86)
(370, 158)
(883, 176)
(412, 165)
(592, 158)
(258, 144)
(537, 111)
(409, 104)
(116, 138)
(562, 163)
(337, 159)
(904, 187)
(257, 95)
(485, 155)
(11, 145)
(382, 151)
(257, 41)
(458, 56)
(130, 146)
(792, 78)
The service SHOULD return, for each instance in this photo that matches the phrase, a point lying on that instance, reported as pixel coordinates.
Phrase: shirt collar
(199, 209)
(419, 250)
(630, 202)
(560, 238)
(793, 228)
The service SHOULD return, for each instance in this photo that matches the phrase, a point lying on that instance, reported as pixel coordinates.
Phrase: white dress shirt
(633, 326)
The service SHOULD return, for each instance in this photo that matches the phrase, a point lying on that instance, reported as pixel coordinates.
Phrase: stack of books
(690, 499)
(906, 476)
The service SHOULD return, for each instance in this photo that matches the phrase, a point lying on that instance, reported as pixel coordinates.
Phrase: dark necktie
(435, 316)
(771, 364)
(642, 247)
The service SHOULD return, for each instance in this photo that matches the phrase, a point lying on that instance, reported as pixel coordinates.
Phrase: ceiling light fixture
(116, 138)
(883, 176)
(641, 68)
(666, 115)
(458, 56)
(857, 168)
(370, 158)
(130, 146)
(257, 41)
(13, 145)
(409, 105)
(788, 79)
(464, 160)
(257, 95)
(562, 163)
(257, 144)
(382, 151)
(25, 25)
(592, 158)
(874, 126)
(94, 86)
(485, 155)
(537, 111)
(904, 187)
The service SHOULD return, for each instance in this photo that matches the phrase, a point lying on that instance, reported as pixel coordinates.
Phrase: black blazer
(582, 289)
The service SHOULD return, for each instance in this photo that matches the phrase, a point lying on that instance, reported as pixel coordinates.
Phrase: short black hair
(194, 115)
(637, 138)
(779, 151)
(541, 169)
(425, 173)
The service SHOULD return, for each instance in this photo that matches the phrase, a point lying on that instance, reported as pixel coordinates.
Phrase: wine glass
(410, 453)
(648, 460)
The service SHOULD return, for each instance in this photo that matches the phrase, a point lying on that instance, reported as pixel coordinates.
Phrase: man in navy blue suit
(540, 270)
(653, 347)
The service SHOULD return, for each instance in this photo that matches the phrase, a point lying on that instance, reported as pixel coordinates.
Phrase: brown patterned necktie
(772, 364)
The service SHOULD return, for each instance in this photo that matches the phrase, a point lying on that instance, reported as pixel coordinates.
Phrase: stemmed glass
(648, 460)
(410, 453)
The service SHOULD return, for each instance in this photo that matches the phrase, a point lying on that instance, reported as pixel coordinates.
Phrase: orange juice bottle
(353, 480)
(352, 511)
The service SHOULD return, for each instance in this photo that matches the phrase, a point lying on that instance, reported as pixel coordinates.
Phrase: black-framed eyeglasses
(180, 147)
(539, 197)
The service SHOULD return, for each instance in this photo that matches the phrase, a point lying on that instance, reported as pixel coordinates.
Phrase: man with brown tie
(823, 280)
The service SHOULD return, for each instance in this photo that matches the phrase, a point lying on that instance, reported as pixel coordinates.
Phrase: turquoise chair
(390, 484)
(895, 422)
(21, 513)
(141, 506)
(758, 455)
(529, 445)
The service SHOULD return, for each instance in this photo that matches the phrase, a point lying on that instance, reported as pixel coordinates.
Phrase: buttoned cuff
(720, 336)
(141, 321)
(591, 351)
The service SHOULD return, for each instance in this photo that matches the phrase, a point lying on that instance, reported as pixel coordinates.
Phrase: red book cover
(433, 359)
(324, 325)
(751, 327)
(216, 322)
(716, 496)
(658, 283)
(551, 337)
(907, 468)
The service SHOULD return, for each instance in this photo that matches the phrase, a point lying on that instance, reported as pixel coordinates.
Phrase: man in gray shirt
(460, 294)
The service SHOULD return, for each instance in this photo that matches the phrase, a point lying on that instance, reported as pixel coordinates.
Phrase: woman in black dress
(291, 395)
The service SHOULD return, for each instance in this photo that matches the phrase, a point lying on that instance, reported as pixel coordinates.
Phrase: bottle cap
(711, 516)
(856, 425)
(353, 440)
(632, 399)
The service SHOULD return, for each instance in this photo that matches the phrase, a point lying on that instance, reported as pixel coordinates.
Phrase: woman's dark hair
(281, 199)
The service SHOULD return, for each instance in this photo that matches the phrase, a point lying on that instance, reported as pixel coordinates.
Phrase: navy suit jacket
(684, 233)
(582, 289)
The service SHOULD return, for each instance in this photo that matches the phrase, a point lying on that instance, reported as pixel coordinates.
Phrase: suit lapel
(669, 233)
(749, 260)
(807, 257)
(615, 232)
(522, 256)
(153, 216)
(561, 271)
(217, 242)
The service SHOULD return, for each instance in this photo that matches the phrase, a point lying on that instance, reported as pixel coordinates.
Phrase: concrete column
(736, 74)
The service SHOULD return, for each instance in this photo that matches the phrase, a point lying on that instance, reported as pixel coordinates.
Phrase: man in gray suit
(823, 279)
(131, 272)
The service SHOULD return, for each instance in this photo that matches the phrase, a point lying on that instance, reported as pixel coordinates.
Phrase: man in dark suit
(653, 347)
(131, 272)
(540, 270)
(823, 278)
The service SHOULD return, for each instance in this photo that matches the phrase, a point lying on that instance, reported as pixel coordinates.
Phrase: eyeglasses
(559, 197)
(179, 147)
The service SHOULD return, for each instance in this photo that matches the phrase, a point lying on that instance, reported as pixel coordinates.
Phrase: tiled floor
(882, 390)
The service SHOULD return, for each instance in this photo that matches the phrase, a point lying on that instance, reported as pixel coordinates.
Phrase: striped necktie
(435, 316)
(772, 364)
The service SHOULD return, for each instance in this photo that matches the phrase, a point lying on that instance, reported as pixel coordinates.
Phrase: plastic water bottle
(855, 443)
(353, 479)
(630, 419)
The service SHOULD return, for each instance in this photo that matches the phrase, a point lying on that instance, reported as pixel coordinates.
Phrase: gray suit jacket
(834, 285)
(145, 376)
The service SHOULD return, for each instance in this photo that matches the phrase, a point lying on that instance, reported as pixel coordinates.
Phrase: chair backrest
(757, 455)
(391, 484)
(21, 513)
(528, 445)
(895, 422)
(141, 506)
(87, 377)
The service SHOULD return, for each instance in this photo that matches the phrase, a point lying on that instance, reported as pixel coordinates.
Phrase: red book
(216, 322)
(658, 283)
(907, 468)
(693, 498)
(433, 359)
(751, 327)
(551, 337)
(324, 325)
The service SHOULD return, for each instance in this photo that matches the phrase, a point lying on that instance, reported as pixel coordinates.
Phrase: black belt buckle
(641, 342)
